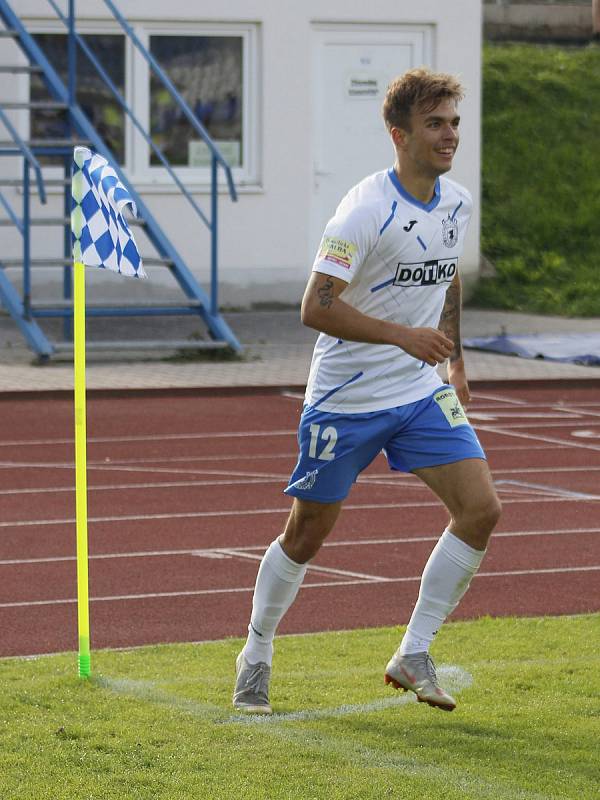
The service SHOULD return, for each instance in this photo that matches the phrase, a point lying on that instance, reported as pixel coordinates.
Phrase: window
(94, 97)
(213, 67)
(208, 72)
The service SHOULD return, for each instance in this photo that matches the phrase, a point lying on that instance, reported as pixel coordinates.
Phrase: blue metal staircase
(23, 307)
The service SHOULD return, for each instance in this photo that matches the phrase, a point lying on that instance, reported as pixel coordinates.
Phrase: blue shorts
(335, 448)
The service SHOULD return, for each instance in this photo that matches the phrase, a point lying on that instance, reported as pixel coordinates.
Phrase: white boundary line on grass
(281, 726)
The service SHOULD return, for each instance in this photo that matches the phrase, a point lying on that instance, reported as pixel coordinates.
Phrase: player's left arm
(450, 326)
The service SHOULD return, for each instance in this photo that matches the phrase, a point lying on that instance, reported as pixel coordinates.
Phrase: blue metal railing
(27, 154)
(207, 307)
(74, 36)
(216, 156)
(190, 116)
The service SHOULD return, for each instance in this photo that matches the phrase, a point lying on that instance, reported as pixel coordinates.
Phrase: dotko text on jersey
(426, 273)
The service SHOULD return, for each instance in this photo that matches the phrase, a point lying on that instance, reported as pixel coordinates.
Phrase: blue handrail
(27, 154)
(198, 127)
(10, 211)
(122, 102)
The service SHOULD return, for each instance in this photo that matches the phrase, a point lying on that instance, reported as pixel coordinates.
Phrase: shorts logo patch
(339, 251)
(307, 482)
(451, 408)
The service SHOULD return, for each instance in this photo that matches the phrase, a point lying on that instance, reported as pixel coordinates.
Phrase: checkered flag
(99, 233)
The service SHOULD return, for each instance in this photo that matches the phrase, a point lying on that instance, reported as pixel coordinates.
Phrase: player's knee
(483, 517)
(307, 528)
(301, 544)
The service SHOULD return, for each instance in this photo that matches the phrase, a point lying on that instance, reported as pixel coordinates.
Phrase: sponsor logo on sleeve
(426, 273)
(338, 251)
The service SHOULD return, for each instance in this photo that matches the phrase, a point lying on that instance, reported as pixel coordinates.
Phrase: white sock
(445, 580)
(277, 584)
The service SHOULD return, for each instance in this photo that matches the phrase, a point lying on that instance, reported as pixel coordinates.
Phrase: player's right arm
(325, 311)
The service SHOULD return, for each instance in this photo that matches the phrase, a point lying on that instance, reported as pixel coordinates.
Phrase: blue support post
(26, 243)
(72, 55)
(67, 271)
(214, 238)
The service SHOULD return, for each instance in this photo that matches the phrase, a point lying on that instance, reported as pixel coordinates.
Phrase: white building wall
(265, 238)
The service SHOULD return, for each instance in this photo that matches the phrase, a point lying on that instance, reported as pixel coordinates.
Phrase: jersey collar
(413, 200)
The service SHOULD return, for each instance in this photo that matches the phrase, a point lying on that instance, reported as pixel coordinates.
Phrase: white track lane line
(138, 486)
(382, 479)
(163, 437)
(304, 587)
(115, 465)
(552, 490)
(535, 437)
(212, 552)
(252, 512)
(499, 398)
(311, 567)
(570, 423)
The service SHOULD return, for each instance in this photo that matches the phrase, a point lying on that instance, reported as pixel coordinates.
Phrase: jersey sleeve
(349, 238)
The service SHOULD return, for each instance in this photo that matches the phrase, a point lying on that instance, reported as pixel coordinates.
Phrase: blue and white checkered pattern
(99, 232)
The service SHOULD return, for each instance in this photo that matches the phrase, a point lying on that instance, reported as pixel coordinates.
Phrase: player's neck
(421, 187)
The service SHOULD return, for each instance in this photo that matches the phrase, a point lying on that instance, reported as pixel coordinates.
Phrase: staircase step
(44, 263)
(18, 68)
(59, 305)
(8, 32)
(52, 221)
(17, 182)
(36, 105)
(46, 143)
(159, 344)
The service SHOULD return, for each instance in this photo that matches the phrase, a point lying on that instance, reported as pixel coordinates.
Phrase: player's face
(432, 141)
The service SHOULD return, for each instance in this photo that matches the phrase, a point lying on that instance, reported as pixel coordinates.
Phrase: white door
(352, 69)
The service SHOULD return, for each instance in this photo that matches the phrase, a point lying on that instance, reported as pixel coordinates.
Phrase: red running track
(185, 493)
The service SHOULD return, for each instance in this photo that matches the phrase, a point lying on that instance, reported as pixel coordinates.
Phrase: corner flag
(101, 238)
(99, 232)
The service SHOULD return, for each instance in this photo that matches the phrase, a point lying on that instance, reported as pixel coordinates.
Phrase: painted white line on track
(252, 512)
(311, 567)
(305, 586)
(156, 437)
(537, 438)
(217, 552)
(570, 423)
(500, 398)
(552, 490)
(117, 463)
(138, 486)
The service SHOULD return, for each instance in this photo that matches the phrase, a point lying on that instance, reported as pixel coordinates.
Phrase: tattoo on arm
(325, 293)
(450, 319)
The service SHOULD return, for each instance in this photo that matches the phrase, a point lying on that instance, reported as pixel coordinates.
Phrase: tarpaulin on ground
(576, 348)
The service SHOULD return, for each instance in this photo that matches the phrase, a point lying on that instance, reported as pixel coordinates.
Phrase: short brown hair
(418, 88)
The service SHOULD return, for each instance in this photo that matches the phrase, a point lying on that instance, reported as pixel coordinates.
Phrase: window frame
(198, 177)
(137, 96)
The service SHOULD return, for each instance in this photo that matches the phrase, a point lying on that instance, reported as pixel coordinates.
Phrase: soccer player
(385, 293)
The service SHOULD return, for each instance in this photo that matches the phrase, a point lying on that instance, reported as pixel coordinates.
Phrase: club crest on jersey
(426, 273)
(449, 231)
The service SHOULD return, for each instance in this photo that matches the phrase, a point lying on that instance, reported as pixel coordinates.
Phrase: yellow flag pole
(83, 613)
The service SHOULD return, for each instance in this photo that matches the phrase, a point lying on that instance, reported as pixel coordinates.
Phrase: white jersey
(398, 256)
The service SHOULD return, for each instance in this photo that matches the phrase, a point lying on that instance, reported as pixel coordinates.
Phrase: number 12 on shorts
(323, 441)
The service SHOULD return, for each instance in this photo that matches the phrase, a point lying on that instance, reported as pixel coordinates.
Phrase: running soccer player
(385, 294)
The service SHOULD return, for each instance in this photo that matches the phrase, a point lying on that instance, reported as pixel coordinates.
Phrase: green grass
(157, 722)
(540, 184)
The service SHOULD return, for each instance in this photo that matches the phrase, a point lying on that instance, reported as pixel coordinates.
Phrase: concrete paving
(277, 351)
